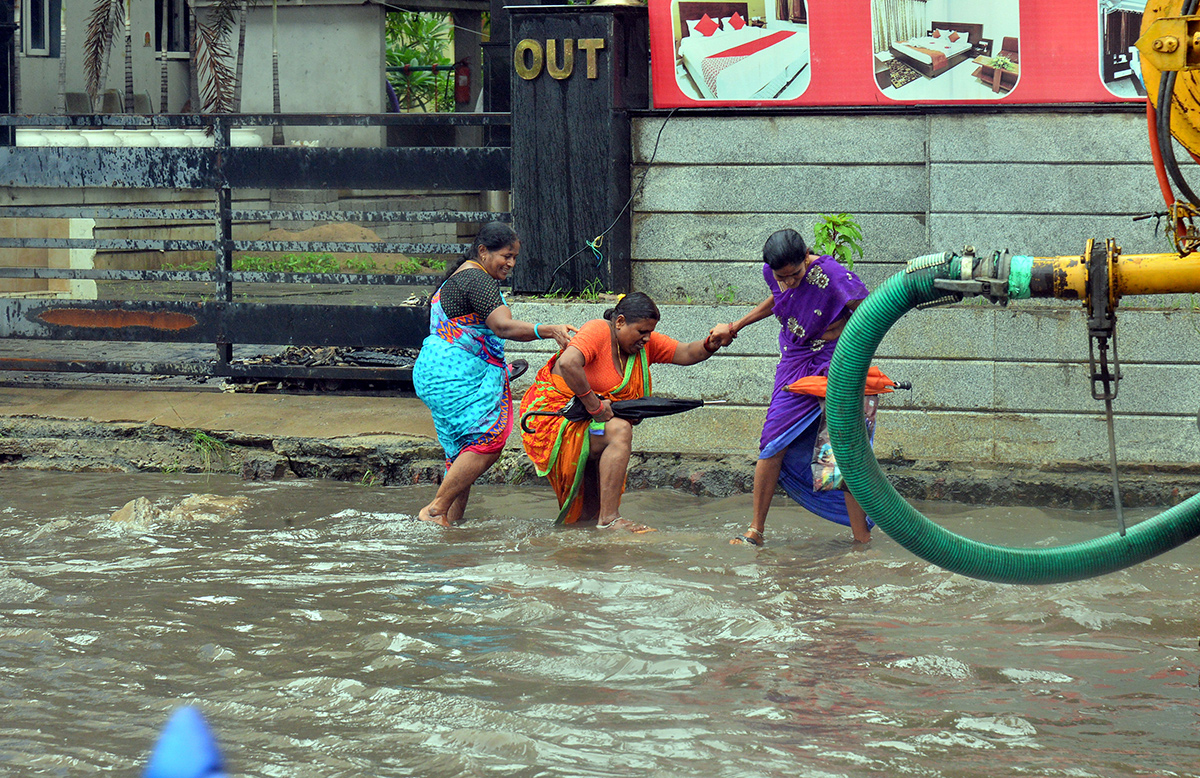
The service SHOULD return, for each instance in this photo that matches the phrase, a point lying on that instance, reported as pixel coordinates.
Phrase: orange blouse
(594, 339)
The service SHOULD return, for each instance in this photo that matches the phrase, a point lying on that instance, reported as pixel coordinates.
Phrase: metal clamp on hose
(964, 285)
(1102, 334)
(1102, 320)
(980, 278)
(995, 277)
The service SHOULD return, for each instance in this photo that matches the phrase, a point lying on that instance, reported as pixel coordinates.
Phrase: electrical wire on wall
(595, 244)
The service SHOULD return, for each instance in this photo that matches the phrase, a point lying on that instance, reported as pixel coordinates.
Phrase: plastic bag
(826, 475)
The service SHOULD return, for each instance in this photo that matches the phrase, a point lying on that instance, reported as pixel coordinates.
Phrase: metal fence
(221, 318)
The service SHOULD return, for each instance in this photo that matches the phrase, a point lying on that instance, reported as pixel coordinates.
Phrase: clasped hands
(721, 335)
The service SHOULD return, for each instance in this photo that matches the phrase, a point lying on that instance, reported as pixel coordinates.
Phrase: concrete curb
(386, 459)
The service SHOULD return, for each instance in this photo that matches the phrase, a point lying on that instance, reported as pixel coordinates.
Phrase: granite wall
(992, 385)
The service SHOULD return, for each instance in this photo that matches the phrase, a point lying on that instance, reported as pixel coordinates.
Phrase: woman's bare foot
(860, 545)
(426, 514)
(619, 523)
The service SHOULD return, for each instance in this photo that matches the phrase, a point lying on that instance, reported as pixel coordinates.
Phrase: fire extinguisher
(462, 83)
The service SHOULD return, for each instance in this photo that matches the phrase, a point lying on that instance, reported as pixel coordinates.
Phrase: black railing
(220, 316)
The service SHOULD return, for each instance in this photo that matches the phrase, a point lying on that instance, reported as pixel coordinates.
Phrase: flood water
(324, 633)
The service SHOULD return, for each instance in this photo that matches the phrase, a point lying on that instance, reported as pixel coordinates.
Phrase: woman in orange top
(608, 359)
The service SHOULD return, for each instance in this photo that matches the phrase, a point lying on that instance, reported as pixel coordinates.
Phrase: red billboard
(766, 53)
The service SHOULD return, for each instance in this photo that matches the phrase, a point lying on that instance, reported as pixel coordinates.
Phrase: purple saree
(792, 419)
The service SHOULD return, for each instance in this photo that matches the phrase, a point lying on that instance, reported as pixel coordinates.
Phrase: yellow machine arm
(1067, 278)
(1170, 43)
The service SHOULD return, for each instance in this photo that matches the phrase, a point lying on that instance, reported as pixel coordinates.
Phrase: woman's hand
(722, 334)
(562, 333)
(605, 413)
(700, 350)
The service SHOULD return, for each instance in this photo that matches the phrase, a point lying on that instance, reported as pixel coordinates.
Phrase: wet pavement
(268, 415)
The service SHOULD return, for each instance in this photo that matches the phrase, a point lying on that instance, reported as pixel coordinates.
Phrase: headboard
(974, 31)
(695, 9)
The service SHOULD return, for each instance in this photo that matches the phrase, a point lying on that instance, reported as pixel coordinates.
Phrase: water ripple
(325, 633)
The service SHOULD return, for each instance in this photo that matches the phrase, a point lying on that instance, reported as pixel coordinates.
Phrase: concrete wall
(39, 75)
(117, 229)
(1035, 183)
(247, 199)
(991, 385)
(331, 60)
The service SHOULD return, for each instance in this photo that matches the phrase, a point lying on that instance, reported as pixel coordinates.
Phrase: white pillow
(691, 23)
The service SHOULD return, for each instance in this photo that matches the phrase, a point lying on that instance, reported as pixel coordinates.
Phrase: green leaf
(840, 236)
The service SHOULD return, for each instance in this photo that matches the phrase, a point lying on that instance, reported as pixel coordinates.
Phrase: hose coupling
(987, 277)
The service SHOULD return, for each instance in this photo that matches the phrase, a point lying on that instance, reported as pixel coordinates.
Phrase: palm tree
(128, 63)
(62, 64)
(215, 80)
(102, 25)
(193, 79)
(277, 132)
(244, 11)
(163, 81)
(211, 77)
(18, 38)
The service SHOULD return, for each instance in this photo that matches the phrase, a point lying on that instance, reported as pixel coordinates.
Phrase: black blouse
(471, 291)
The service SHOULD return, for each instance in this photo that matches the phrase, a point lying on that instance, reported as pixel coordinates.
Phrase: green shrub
(840, 237)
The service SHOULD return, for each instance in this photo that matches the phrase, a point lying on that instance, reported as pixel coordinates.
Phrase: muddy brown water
(324, 633)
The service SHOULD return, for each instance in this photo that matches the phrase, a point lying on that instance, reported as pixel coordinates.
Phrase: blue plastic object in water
(185, 749)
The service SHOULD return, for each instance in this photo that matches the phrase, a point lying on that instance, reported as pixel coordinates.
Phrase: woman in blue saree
(461, 374)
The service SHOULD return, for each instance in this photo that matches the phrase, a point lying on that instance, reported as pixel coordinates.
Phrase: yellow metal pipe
(1156, 274)
(1066, 278)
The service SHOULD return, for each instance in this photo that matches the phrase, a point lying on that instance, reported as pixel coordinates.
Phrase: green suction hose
(907, 526)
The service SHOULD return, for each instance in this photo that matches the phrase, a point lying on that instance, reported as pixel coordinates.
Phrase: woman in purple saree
(813, 297)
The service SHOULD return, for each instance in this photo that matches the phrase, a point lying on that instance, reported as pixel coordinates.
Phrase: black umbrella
(634, 410)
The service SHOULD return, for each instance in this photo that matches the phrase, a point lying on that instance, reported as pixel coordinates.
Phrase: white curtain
(897, 20)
